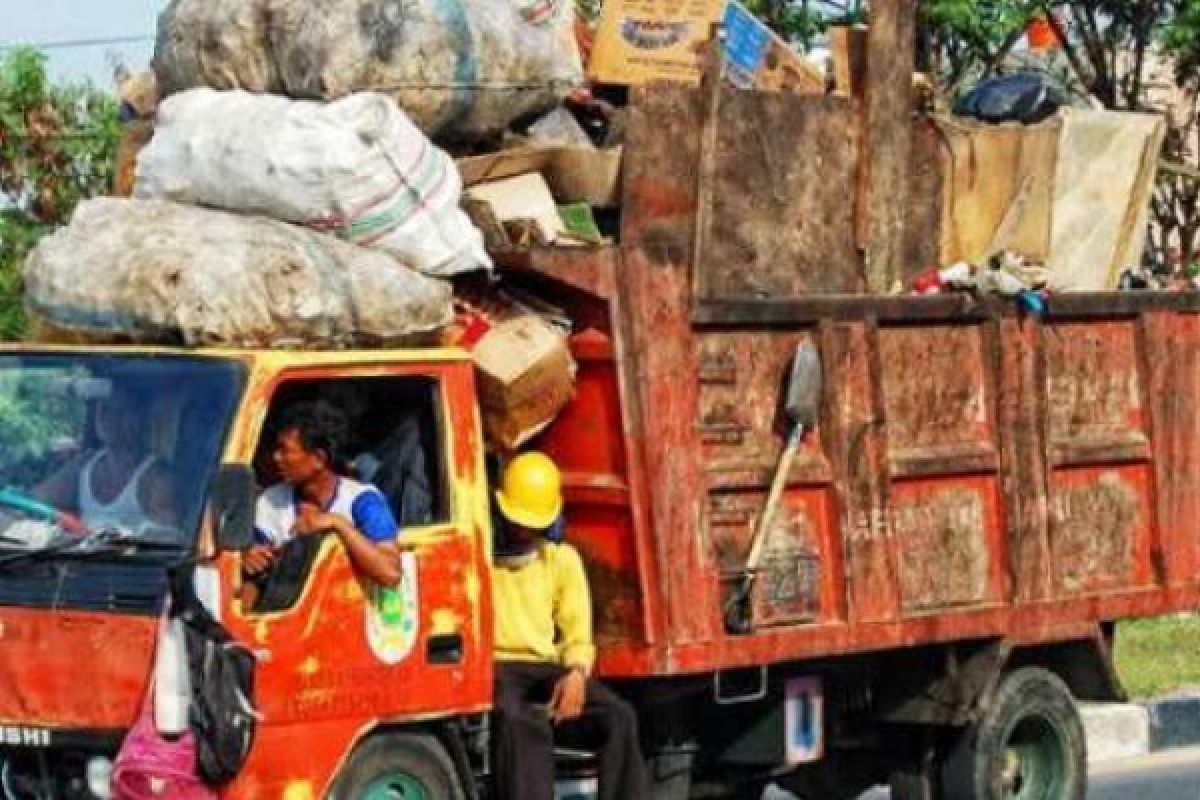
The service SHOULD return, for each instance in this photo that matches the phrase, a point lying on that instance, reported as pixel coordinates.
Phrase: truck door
(340, 655)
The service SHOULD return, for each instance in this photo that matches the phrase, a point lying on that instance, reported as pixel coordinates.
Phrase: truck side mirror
(232, 500)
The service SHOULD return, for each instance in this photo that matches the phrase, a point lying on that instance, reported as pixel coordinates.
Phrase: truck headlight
(99, 777)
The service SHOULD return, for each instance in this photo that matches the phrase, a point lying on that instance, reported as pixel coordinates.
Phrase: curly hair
(320, 427)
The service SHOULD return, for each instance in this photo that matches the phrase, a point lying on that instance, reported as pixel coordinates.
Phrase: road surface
(1173, 775)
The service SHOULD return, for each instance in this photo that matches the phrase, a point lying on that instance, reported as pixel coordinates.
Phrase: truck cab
(343, 666)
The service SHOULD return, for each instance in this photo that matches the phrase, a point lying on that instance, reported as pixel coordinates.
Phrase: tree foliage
(57, 146)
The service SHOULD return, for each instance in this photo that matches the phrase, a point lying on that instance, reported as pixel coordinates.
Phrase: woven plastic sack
(357, 167)
(461, 68)
(156, 271)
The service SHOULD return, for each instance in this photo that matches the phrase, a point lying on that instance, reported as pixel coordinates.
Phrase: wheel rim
(1035, 761)
(397, 785)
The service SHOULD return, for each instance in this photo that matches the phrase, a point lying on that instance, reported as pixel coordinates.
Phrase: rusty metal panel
(938, 399)
(1023, 467)
(857, 447)
(1173, 388)
(1094, 405)
(792, 586)
(945, 540)
(742, 377)
(1100, 528)
(781, 222)
(654, 281)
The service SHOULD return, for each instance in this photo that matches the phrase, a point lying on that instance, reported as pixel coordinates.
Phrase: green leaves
(57, 146)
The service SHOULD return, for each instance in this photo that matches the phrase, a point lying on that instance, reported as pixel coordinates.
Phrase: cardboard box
(575, 174)
(134, 136)
(525, 376)
(640, 41)
(521, 197)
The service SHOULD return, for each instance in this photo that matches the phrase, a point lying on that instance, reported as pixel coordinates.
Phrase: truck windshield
(111, 449)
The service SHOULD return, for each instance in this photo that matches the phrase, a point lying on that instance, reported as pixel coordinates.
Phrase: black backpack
(222, 716)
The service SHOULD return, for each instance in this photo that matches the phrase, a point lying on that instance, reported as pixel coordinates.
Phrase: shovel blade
(803, 400)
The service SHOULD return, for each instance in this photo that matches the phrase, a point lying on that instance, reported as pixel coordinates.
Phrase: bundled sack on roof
(155, 271)
(461, 68)
(357, 167)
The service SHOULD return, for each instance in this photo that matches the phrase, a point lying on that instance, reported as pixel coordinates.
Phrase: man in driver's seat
(312, 498)
(121, 483)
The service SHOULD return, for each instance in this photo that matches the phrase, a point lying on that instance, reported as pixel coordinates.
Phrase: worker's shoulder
(561, 554)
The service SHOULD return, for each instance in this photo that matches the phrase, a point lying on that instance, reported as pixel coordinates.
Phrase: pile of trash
(336, 174)
(281, 184)
(1006, 273)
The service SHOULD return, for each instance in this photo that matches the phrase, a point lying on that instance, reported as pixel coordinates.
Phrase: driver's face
(296, 464)
(116, 420)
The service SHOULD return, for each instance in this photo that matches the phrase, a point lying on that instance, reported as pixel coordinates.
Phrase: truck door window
(394, 440)
(394, 443)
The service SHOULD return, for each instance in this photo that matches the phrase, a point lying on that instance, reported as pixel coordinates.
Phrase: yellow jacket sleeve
(573, 611)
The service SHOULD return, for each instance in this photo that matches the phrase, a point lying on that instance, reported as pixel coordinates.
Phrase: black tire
(1030, 739)
(410, 759)
(912, 785)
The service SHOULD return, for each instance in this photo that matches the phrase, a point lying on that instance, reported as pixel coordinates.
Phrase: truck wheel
(1028, 745)
(912, 785)
(399, 766)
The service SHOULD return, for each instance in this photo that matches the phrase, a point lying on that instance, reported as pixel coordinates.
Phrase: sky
(73, 25)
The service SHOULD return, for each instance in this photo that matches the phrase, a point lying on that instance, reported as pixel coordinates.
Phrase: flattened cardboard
(575, 174)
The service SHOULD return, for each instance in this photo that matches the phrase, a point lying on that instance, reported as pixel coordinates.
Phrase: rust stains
(1093, 531)
(943, 553)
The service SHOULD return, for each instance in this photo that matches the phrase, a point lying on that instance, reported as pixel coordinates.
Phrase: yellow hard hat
(530, 492)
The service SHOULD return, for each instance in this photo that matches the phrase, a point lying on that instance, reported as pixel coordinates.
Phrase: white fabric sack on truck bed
(357, 167)
(461, 68)
(156, 271)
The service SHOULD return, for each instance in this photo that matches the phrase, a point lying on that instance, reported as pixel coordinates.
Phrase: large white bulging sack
(155, 271)
(357, 167)
(459, 67)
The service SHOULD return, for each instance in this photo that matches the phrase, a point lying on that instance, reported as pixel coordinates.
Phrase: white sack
(155, 271)
(461, 68)
(357, 167)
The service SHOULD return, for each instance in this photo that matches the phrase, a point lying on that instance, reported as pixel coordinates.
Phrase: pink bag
(150, 767)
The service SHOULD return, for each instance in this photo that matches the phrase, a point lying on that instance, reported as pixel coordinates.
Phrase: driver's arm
(61, 489)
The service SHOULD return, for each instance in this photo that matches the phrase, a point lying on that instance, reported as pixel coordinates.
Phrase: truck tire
(1028, 745)
(412, 766)
(912, 785)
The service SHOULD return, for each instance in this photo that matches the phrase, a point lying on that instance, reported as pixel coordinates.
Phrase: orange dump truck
(981, 495)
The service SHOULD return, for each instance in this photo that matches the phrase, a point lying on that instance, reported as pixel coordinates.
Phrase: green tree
(57, 146)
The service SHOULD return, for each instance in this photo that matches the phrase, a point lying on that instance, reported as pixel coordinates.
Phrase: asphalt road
(1173, 775)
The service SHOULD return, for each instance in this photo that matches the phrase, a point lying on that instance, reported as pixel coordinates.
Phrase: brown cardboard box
(525, 376)
(575, 174)
(640, 41)
(135, 135)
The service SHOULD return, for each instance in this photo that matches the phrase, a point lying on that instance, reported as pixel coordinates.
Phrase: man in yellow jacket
(545, 652)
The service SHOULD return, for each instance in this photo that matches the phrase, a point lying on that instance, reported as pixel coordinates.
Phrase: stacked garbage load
(291, 195)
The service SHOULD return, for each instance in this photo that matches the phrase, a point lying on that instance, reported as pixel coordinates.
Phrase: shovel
(800, 406)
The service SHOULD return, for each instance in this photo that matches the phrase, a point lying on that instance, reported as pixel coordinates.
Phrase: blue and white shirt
(361, 503)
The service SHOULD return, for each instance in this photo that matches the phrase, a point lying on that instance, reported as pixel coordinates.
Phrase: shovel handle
(768, 515)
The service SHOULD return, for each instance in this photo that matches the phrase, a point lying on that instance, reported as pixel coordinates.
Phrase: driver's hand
(258, 560)
(312, 520)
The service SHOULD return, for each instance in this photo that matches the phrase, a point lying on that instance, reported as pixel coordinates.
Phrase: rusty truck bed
(976, 473)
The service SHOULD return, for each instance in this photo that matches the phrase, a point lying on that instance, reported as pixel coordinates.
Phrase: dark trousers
(525, 736)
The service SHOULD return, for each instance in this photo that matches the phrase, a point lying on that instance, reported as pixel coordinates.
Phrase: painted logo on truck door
(392, 615)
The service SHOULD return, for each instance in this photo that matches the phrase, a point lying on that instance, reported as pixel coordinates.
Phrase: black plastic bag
(1025, 97)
